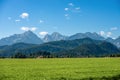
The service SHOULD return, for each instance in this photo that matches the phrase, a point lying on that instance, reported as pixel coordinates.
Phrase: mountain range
(87, 34)
(57, 45)
(64, 48)
(30, 37)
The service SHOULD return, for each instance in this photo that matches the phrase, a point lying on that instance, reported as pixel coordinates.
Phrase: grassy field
(58, 69)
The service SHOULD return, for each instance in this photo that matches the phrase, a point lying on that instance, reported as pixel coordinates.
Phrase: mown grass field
(58, 69)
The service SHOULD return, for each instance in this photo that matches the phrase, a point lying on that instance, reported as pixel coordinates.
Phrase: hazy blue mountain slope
(26, 37)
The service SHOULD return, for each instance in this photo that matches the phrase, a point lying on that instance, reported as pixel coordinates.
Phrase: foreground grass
(60, 69)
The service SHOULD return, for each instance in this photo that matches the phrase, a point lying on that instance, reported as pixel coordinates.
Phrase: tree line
(45, 54)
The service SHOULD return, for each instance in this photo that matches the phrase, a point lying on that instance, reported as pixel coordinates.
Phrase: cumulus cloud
(102, 33)
(24, 15)
(108, 34)
(27, 28)
(76, 10)
(43, 33)
(66, 9)
(113, 28)
(24, 28)
(105, 34)
(70, 4)
(33, 29)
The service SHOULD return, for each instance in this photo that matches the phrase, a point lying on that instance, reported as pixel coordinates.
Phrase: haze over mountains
(30, 37)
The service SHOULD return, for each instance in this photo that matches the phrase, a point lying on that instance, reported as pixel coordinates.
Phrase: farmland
(59, 68)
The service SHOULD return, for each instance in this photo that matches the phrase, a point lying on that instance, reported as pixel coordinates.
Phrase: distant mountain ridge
(30, 37)
(57, 36)
(87, 34)
(114, 41)
(117, 42)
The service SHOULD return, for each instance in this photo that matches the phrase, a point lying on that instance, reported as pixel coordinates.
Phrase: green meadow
(60, 69)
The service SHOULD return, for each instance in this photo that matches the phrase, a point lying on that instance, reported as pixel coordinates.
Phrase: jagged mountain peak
(88, 33)
(28, 32)
(26, 37)
(47, 38)
(55, 36)
(54, 33)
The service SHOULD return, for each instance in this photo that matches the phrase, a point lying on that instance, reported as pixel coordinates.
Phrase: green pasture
(59, 68)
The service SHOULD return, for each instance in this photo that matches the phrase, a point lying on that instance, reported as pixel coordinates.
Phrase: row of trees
(114, 55)
(44, 54)
(49, 55)
(40, 54)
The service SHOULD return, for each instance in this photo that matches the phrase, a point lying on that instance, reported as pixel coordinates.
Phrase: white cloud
(41, 21)
(27, 28)
(113, 38)
(24, 15)
(113, 28)
(66, 15)
(77, 8)
(43, 33)
(17, 20)
(33, 29)
(71, 10)
(105, 34)
(102, 33)
(66, 9)
(71, 4)
(108, 34)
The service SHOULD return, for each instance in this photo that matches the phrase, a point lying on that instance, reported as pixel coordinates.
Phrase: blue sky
(64, 16)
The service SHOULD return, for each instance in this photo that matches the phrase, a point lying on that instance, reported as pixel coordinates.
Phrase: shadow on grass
(116, 77)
